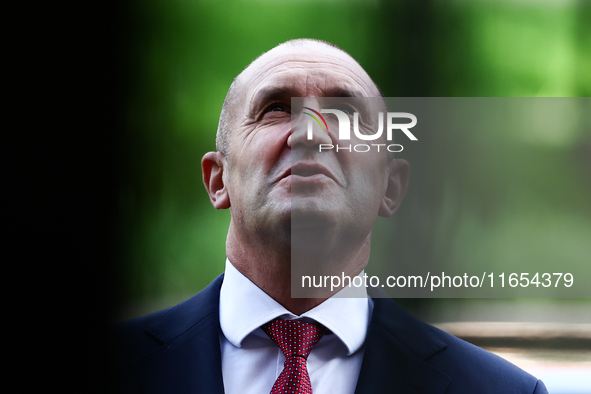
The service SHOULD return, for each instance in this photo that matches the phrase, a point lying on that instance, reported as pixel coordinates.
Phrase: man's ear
(212, 165)
(398, 170)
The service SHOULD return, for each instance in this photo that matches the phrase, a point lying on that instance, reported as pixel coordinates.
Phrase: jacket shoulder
(470, 369)
(142, 339)
(131, 338)
(473, 369)
(140, 336)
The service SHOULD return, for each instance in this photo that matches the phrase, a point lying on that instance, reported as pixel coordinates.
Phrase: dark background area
(64, 94)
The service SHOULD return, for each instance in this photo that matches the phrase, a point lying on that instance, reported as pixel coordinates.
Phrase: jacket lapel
(189, 360)
(395, 355)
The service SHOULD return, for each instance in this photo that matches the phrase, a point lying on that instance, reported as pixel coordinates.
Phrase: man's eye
(345, 108)
(276, 107)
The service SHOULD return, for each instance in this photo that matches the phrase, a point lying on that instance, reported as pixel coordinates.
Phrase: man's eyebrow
(344, 92)
(273, 93)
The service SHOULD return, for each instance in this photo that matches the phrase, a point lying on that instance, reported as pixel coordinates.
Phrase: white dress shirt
(251, 362)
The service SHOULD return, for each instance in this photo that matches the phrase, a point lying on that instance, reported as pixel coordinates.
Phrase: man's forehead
(308, 70)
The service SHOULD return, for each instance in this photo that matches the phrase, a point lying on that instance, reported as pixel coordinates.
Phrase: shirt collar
(244, 307)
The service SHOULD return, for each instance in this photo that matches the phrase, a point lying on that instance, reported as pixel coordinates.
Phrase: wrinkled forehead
(307, 71)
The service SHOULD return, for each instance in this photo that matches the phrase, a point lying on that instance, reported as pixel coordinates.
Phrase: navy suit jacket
(177, 351)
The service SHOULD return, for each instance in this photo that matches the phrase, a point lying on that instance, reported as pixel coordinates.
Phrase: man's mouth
(309, 169)
(305, 173)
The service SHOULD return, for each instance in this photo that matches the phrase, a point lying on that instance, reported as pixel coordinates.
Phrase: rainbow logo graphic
(316, 119)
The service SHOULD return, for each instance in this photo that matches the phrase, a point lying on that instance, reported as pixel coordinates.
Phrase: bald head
(302, 53)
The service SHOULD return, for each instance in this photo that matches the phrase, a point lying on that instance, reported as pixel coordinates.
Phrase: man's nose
(308, 130)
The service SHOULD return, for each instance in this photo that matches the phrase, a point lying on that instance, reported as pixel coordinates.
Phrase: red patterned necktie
(296, 340)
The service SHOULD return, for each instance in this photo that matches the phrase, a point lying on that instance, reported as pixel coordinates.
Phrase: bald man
(245, 333)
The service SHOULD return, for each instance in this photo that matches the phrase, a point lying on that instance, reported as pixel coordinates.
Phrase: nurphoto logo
(345, 129)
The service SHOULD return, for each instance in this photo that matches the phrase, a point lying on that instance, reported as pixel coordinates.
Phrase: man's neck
(270, 268)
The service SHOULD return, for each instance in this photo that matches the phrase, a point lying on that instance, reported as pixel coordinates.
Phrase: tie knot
(294, 337)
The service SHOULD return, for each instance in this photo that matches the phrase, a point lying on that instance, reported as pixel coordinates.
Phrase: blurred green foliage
(183, 55)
